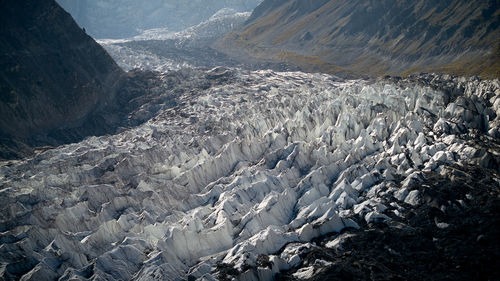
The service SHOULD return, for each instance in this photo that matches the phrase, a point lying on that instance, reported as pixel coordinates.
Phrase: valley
(207, 166)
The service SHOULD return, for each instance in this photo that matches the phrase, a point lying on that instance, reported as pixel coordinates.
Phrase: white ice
(244, 168)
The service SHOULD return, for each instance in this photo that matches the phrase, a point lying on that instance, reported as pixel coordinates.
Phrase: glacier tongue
(258, 164)
(162, 50)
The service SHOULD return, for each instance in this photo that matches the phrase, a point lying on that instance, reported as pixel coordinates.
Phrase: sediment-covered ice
(258, 164)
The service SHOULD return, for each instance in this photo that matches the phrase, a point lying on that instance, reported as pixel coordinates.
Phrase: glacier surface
(160, 49)
(125, 18)
(257, 164)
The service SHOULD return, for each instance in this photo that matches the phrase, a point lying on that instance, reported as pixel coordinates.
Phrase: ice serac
(52, 76)
(239, 176)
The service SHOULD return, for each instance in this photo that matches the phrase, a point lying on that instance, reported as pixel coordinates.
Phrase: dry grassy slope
(374, 37)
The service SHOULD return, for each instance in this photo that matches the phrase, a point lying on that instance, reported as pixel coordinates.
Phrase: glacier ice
(260, 163)
(160, 49)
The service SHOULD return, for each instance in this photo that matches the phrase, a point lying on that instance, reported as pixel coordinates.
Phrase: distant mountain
(125, 18)
(374, 37)
(53, 75)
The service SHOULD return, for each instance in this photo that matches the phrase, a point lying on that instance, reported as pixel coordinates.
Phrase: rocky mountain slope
(394, 37)
(119, 18)
(52, 76)
(57, 85)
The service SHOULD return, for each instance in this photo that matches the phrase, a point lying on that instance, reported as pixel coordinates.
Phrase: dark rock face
(52, 75)
(375, 37)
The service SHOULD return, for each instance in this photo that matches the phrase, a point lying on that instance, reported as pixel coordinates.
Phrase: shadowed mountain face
(52, 74)
(375, 37)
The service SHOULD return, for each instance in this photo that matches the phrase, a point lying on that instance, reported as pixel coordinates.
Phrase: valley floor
(258, 174)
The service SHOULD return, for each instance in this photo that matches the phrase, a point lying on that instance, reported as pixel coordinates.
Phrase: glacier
(124, 18)
(253, 166)
(161, 50)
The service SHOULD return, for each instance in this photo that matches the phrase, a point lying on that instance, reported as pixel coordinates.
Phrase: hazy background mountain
(124, 18)
(374, 37)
